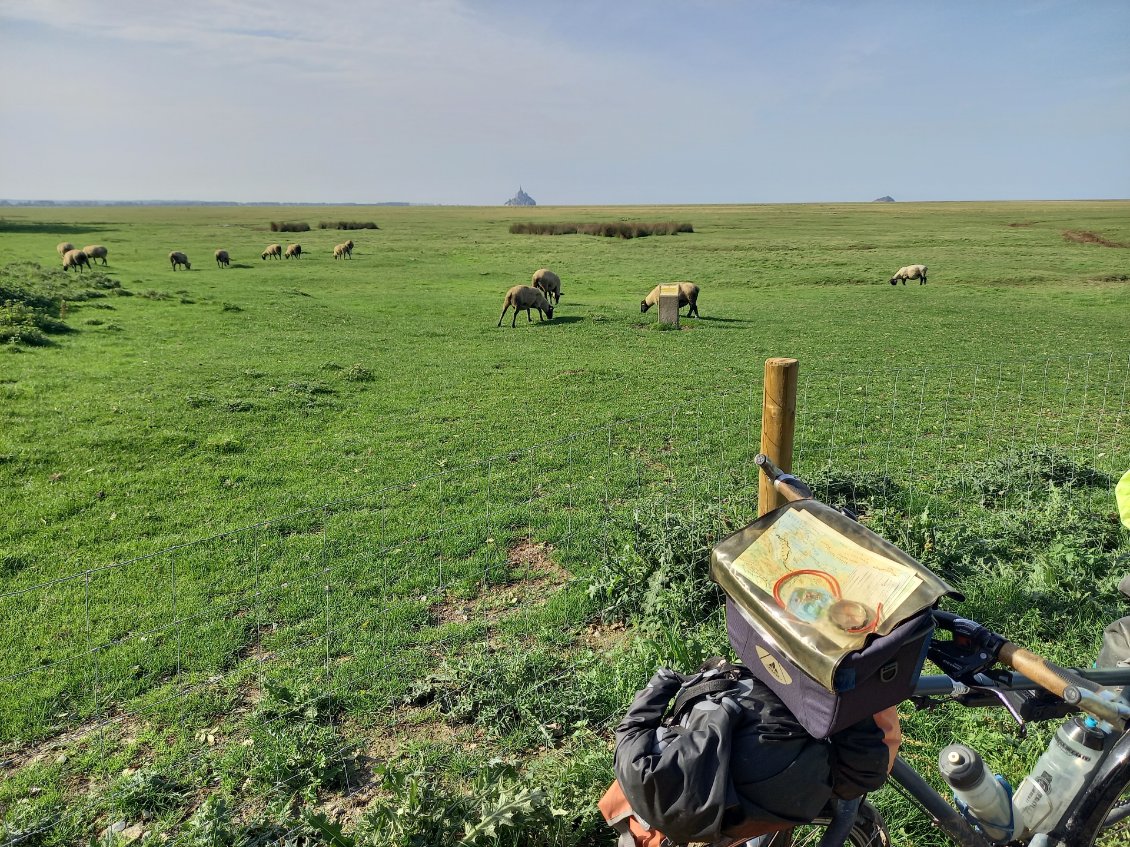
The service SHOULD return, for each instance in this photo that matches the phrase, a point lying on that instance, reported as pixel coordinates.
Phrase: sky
(578, 102)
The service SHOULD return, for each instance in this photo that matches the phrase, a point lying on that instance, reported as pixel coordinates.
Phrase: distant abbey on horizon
(521, 199)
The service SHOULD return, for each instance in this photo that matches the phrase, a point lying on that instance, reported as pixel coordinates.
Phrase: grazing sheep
(917, 272)
(178, 258)
(95, 251)
(343, 250)
(547, 281)
(293, 251)
(223, 260)
(349, 245)
(64, 247)
(525, 297)
(75, 259)
(688, 296)
(273, 251)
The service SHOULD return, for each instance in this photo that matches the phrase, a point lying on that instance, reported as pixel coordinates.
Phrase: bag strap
(725, 679)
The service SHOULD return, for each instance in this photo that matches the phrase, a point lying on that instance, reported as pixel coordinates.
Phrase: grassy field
(322, 410)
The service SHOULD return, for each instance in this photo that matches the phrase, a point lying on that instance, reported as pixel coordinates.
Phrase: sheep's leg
(529, 318)
(500, 317)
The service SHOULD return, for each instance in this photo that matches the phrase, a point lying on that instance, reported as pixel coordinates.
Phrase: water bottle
(983, 797)
(1045, 794)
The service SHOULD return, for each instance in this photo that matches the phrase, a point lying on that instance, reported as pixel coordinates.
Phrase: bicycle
(982, 669)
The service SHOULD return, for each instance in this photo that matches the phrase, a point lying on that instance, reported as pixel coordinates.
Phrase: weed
(658, 569)
(359, 373)
(145, 792)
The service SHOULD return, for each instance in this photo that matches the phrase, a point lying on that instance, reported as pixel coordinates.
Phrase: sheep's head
(894, 280)
(549, 312)
(644, 306)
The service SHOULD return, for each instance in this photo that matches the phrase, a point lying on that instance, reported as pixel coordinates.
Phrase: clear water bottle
(1043, 797)
(981, 795)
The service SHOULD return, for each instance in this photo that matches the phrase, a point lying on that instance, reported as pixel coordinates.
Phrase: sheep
(178, 258)
(688, 295)
(223, 260)
(525, 297)
(95, 251)
(273, 251)
(75, 259)
(293, 251)
(64, 247)
(917, 272)
(343, 250)
(349, 245)
(548, 282)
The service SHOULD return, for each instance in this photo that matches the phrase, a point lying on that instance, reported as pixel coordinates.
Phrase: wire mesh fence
(261, 663)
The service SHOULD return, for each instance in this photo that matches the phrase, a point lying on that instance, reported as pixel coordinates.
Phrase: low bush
(618, 229)
(289, 226)
(347, 225)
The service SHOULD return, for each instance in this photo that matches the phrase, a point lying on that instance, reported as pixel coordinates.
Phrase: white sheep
(343, 250)
(178, 258)
(223, 260)
(273, 251)
(525, 297)
(95, 251)
(547, 281)
(75, 259)
(688, 296)
(917, 272)
(64, 247)
(293, 251)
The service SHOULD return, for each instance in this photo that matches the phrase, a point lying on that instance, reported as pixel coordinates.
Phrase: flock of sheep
(544, 286)
(79, 259)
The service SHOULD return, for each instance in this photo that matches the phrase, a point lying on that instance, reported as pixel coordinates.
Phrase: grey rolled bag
(735, 757)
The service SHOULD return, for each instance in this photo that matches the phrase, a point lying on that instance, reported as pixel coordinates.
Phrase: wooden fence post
(778, 420)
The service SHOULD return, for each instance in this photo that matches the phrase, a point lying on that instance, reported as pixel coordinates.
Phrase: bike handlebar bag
(834, 619)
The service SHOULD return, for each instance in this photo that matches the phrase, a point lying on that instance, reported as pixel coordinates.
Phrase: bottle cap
(961, 767)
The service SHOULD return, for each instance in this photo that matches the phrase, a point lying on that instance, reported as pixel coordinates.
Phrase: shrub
(289, 226)
(618, 229)
(347, 225)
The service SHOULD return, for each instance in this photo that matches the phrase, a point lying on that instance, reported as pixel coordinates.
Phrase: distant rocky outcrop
(521, 199)
(886, 198)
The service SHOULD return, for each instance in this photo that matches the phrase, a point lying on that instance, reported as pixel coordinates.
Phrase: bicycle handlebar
(788, 486)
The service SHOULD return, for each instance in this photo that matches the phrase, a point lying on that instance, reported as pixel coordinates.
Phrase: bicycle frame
(985, 694)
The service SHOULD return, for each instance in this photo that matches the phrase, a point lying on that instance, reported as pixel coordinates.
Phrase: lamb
(75, 259)
(688, 295)
(178, 258)
(525, 297)
(95, 251)
(917, 272)
(293, 251)
(547, 281)
(64, 247)
(343, 250)
(273, 251)
(223, 260)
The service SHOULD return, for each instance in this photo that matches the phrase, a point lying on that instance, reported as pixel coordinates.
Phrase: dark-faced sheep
(341, 251)
(95, 251)
(293, 251)
(64, 247)
(223, 260)
(525, 297)
(273, 251)
(75, 259)
(178, 258)
(917, 272)
(548, 282)
(688, 296)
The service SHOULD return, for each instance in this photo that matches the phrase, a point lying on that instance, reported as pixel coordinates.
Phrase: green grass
(309, 442)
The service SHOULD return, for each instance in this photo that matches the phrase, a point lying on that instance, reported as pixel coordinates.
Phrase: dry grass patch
(1080, 236)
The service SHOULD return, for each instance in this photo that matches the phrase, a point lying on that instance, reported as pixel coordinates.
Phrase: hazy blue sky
(618, 101)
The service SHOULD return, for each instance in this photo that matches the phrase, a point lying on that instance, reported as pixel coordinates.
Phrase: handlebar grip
(788, 486)
(1046, 674)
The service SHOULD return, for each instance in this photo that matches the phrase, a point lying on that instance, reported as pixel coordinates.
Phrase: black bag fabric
(728, 752)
